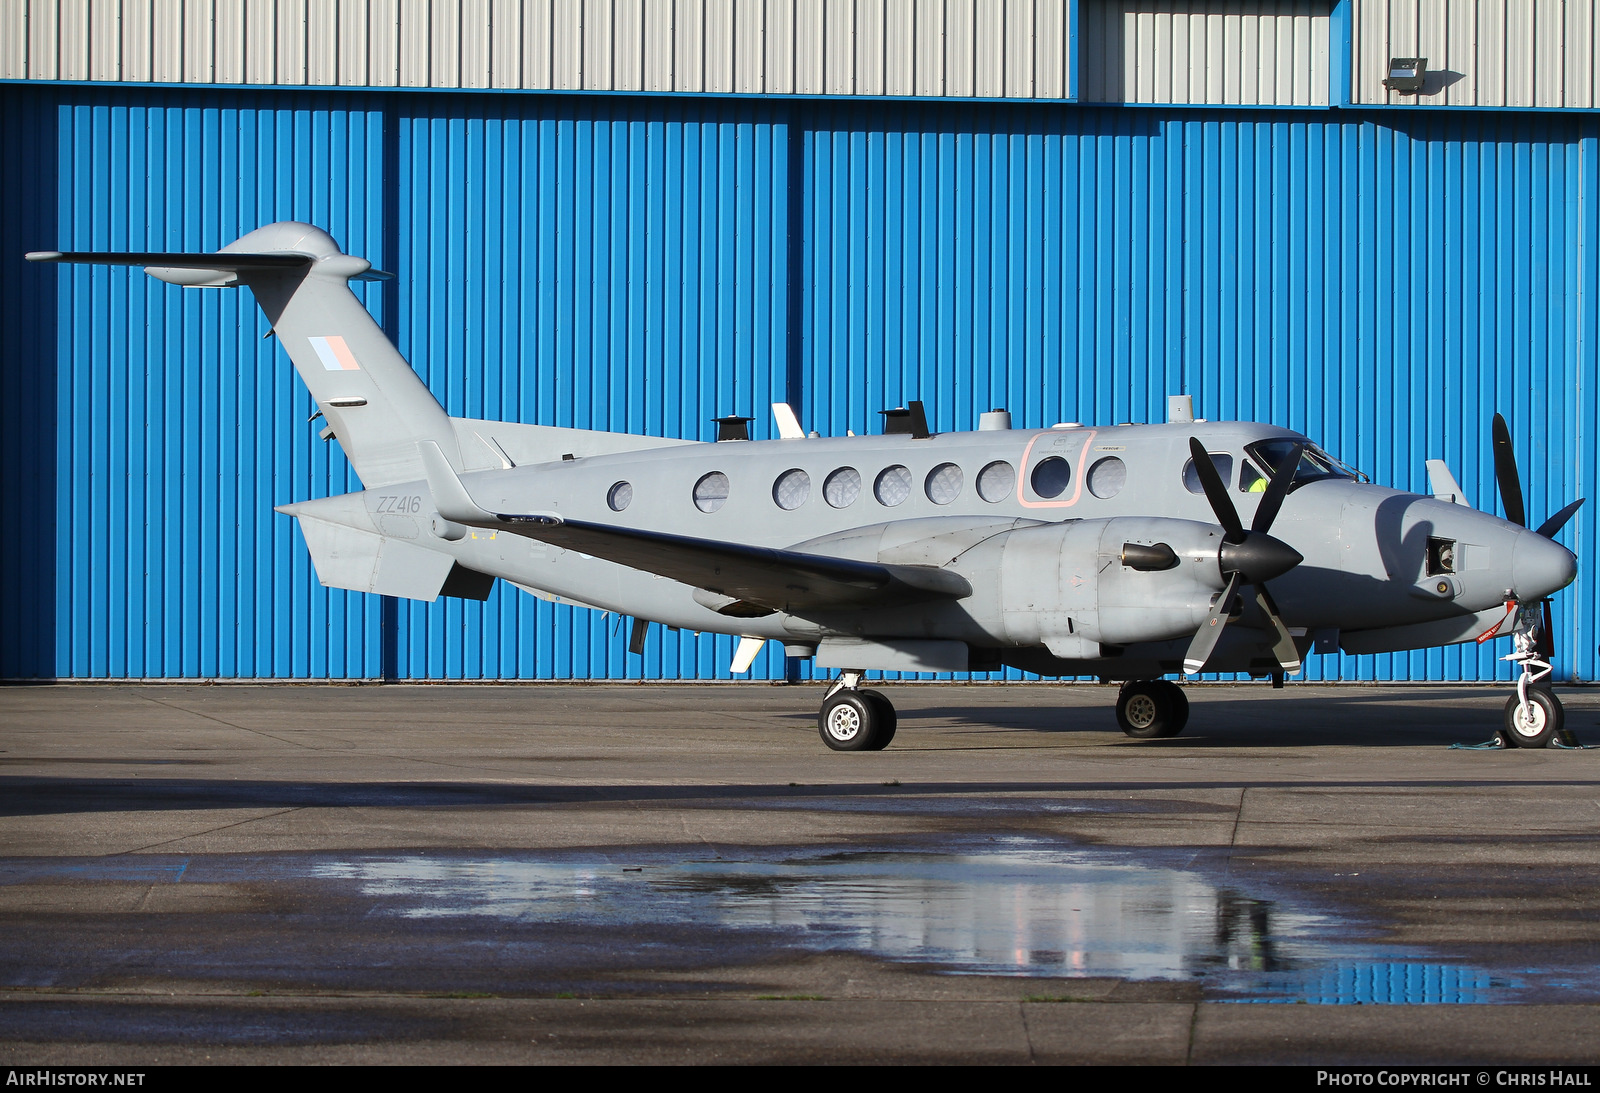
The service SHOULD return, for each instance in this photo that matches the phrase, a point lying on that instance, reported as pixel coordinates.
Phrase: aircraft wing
(778, 580)
(782, 580)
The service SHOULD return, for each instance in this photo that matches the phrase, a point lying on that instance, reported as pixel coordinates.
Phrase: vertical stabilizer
(378, 408)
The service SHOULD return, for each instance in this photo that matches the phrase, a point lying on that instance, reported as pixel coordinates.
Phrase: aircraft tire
(849, 722)
(1545, 719)
(1180, 708)
(1147, 710)
(888, 720)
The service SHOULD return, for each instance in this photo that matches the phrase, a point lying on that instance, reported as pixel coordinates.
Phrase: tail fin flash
(376, 405)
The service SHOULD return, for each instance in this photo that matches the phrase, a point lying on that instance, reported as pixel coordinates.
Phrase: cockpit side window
(1315, 464)
(1223, 461)
(1250, 479)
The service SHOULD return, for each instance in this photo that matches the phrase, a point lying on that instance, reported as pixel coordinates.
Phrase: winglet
(450, 497)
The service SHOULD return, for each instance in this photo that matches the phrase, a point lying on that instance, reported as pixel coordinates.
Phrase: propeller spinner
(1246, 557)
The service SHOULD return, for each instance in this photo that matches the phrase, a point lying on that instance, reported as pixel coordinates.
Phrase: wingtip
(44, 256)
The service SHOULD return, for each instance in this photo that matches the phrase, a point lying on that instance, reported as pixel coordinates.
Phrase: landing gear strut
(1150, 709)
(854, 718)
(1533, 715)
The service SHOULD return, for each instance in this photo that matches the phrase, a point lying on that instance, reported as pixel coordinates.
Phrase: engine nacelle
(1074, 586)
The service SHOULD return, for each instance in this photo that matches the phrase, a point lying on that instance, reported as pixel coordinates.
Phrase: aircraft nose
(1540, 566)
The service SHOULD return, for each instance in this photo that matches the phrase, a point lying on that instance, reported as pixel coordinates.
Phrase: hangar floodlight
(1406, 74)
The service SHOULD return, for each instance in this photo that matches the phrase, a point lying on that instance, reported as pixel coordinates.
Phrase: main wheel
(1533, 727)
(888, 720)
(1147, 710)
(1180, 708)
(849, 721)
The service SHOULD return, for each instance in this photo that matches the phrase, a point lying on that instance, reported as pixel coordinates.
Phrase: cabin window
(1220, 460)
(841, 488)
(893, 486)
(620, 496)
(792, 489)
(995, 481)
(711, 492)
(1051, 477)
(1107, 477)
(943, 484)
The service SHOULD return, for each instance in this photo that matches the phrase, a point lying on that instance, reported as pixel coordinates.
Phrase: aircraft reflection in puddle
(1012, 907)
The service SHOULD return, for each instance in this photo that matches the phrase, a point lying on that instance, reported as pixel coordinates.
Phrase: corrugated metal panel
(778, 47)
(542, 246)
(550, 249)
(226, 31)
(1513, 53)
(1199, 53)
(171, 414)
(945, 48)
(28, 408)
(13, 41)
(1267, 265)
(627, 45)
(716, 46)
(1073, 265)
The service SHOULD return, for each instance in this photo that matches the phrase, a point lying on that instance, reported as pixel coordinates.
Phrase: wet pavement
(658, 873)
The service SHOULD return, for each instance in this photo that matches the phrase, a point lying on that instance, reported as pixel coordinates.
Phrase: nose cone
(1540, 566)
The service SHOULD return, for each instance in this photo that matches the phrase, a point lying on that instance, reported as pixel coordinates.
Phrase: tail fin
(377, 406)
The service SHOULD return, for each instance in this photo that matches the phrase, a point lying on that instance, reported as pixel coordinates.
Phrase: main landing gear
(854, 718)
(1150, 709)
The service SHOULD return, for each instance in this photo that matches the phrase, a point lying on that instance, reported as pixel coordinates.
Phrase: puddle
(1016, 908)
(1027, 907)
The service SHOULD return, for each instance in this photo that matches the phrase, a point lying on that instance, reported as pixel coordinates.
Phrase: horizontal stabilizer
(363, 561)
(174, 259)
(164, 265)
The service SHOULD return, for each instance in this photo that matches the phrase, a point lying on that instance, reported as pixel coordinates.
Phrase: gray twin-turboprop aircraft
(1116, 552)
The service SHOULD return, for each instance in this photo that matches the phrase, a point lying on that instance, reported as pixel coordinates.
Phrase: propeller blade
(1549, 528)
(1277, 490)
(1216, 492)
(1505, 472)
(1288, 656)
(1205, 639)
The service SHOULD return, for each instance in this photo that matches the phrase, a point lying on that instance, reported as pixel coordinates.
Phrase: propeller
(1246, 557)
(1510, 483)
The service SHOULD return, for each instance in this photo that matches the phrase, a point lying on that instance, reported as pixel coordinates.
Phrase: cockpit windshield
(1315, 463)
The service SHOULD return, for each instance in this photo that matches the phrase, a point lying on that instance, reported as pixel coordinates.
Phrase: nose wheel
(854, 718)
(1534, 721)
(1152, 709)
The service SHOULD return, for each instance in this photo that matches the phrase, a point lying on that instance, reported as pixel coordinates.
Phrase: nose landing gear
(854, 718)
(1533, 716)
